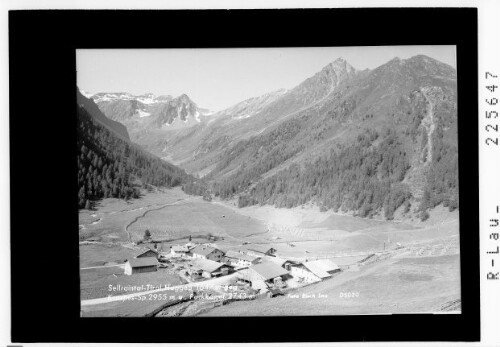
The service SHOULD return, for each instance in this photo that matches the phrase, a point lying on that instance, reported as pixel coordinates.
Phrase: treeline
(195, 187)
(365, 176)
(359, 177)
(107, 165)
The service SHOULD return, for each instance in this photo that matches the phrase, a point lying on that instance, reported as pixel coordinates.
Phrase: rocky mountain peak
(340, 66)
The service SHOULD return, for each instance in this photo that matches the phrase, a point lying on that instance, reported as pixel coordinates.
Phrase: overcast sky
(219, 78)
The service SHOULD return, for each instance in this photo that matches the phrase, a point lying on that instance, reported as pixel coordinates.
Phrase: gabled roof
(143, 262)
(204, 250)
(146, 251)
(321, 267)
(206, 265)
(268, 270)
(242, 256)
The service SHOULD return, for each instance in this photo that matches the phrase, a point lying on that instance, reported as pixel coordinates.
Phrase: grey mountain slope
(116, 127)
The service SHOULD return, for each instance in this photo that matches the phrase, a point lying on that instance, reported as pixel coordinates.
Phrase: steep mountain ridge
(109, 165)
(116, 127)
(197, 148)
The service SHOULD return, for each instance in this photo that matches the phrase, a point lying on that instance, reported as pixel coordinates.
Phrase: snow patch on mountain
(147, 99)
(142, 113)
(84, 93)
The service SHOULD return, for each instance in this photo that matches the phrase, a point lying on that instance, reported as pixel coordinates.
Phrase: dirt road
(150, 210)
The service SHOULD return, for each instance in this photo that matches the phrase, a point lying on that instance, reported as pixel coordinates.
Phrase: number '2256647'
(491, 114)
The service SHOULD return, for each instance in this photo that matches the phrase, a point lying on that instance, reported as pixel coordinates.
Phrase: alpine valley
(375, 143)
(338, 196)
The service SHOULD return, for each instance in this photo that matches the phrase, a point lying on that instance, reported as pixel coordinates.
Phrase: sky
(219, 78)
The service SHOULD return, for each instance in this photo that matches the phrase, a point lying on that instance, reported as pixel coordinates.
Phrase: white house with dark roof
(207, 252)
(180, 251)
(240, 259)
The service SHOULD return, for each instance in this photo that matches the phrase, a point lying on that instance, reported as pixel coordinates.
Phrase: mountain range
(373, 142)
(150, 112)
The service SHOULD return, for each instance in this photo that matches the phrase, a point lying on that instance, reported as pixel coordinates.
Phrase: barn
(148, 253)
(139, 265)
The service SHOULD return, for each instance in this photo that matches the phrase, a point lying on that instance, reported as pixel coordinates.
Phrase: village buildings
(258, 265)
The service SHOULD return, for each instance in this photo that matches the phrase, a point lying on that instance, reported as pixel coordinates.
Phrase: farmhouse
(139, 265)
(148, 253)
(180, 251)
(240, 259)
(265, 275)
(207, 252)
(262, 249)
(209, 268)
(322, 268)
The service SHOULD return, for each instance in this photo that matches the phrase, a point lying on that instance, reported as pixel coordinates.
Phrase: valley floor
(409, 266)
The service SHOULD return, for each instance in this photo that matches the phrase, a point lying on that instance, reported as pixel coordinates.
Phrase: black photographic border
(44, 233)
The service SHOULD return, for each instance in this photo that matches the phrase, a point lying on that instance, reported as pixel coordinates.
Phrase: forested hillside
(108, 165)
(366, 176)
(380, 141)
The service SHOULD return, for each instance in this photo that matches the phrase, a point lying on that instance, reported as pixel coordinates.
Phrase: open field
(110, 217)
(99, 254)
(196, 218)
(405, 266)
